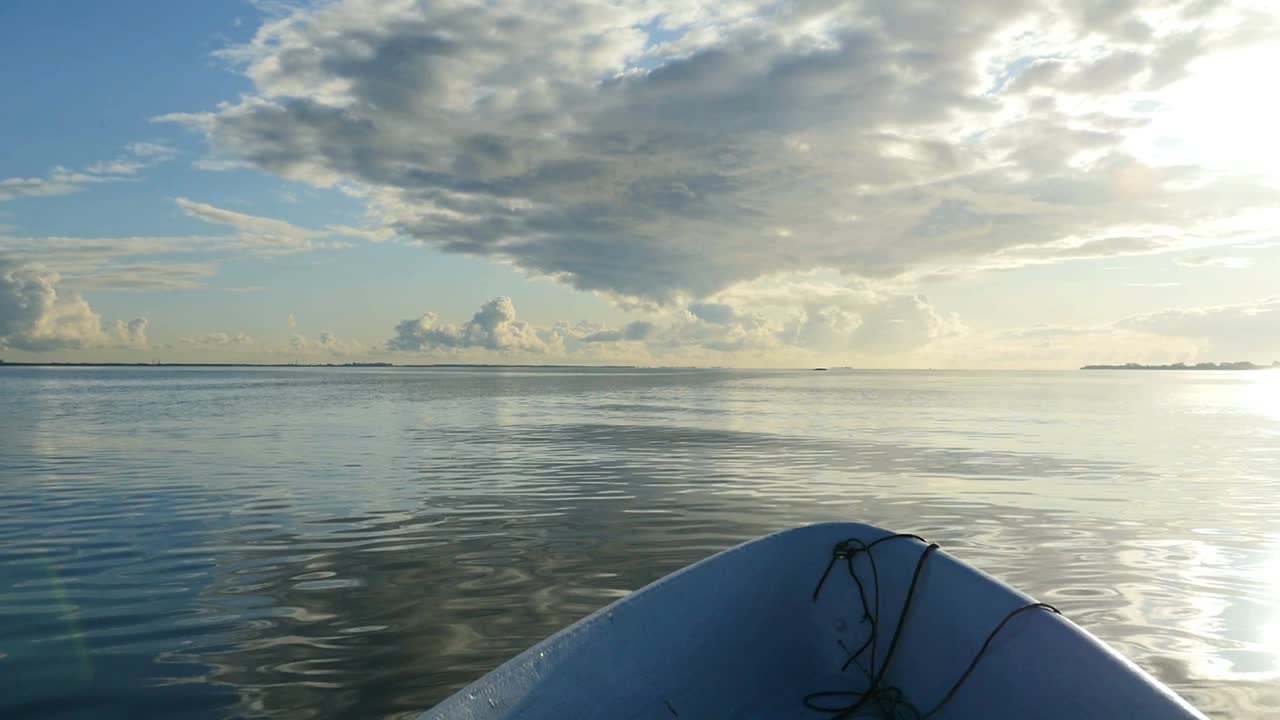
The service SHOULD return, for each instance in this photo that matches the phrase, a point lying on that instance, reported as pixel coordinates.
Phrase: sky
(870, 183)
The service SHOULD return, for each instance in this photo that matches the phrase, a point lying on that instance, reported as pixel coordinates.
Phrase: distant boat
(819, 368)
(831, 620)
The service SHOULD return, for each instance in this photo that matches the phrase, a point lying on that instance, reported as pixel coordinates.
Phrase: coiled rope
(889, 701)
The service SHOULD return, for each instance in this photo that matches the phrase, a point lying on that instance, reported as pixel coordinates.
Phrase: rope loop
(888, 701)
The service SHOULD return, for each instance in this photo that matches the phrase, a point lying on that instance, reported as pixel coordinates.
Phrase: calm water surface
(337, 543)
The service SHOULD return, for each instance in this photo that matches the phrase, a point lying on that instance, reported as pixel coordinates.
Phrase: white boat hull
(739, 635)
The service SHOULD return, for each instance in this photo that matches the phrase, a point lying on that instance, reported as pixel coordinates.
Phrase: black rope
(889, 700)
(973, 664)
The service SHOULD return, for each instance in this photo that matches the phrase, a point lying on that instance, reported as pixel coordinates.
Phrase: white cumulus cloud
(132, 333)
(37, 316)
(493, 327)
(799, 319)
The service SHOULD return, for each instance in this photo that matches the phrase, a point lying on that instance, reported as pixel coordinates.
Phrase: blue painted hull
(740, 635)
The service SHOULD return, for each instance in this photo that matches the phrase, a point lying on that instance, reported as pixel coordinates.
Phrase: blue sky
(968, 184)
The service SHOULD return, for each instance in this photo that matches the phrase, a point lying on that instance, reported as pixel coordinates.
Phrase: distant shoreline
(1184, 366)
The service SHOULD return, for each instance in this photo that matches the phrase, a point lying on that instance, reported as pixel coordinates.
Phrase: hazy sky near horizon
(880, 183)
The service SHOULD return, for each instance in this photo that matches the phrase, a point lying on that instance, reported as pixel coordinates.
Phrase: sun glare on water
(1270, 631)
(1262, 396)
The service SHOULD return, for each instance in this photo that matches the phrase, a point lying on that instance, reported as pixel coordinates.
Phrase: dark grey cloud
(760, 137)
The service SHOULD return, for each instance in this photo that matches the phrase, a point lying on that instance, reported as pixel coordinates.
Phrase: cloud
(380, 235)
(292, 348)
(1220, 261)
(123, 263)
(254, 230)
(132, 333)
(270, 234)
(146, 277)
(720, 314)
(796, 321)
(631, 332)
(493, 327)
(57, 182)
(1238, 324)
(719, 327)
(1065, 346)
(251, 224)
(139, 264)
(738, 140)
(115, 167)
(1108, 73)
(886, 325)
(790, 316)
(293, 321)
(62, 181)
(1218, 333)
(806, 311)
(150, 150)
(37, 315)
(218, 339)
(218, 165)
(83, 253)
(329, 343)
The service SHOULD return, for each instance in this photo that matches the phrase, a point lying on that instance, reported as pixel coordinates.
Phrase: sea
(362, 542)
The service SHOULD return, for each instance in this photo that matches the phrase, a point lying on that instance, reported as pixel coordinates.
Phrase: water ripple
(307, 543)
